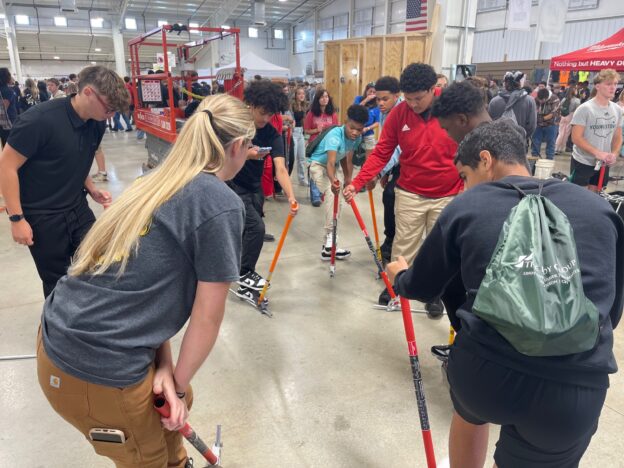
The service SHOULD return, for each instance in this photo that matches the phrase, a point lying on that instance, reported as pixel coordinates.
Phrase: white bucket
(544, 168)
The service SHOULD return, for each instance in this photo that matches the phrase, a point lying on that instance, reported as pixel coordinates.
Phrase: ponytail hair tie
(210, 117)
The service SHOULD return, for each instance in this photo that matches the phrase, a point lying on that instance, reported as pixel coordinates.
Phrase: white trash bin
(544, 168)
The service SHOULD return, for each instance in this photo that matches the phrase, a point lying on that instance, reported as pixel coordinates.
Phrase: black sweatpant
(55, 240)
(253, 234)
(544, 423)
(389, 222)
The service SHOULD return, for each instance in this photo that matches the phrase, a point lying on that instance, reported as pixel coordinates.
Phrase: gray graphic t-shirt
(600, 125)
(106, 329)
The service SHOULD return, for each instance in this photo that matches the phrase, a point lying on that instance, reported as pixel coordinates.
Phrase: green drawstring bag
(532, 292)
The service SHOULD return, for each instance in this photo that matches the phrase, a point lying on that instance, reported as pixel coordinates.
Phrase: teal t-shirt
(335, 140)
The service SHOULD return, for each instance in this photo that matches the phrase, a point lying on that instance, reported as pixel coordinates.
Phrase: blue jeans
(541, 135)
(315, 193)
(117, 121)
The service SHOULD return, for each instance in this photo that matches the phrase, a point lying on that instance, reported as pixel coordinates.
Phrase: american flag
(416, 15)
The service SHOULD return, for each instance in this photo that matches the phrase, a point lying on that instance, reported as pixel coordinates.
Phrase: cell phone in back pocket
(113, 436)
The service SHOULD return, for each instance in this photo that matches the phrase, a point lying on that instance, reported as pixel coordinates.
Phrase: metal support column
(14, 57)
(120, 55)
(351, 13)
(387, 16)
(315, 47)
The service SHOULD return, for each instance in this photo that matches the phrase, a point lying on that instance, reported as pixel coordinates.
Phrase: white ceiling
(42, 40)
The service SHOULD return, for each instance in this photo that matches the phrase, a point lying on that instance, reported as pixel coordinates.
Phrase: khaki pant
(415, 215)
(318, 173)
(85, 406)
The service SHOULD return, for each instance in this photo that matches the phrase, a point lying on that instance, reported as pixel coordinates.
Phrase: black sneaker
(434, 310)
(341, 254)
(384, 298)
(248, 294)
(269, 237)
(252, 280)
(386, 251)
(189, 463)
(441, 352)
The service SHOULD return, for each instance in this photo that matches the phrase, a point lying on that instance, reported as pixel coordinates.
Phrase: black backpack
(313, 144)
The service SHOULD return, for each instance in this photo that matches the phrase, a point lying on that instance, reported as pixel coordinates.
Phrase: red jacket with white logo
(427, 155)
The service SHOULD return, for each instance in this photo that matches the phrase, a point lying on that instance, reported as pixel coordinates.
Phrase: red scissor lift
(162, 124)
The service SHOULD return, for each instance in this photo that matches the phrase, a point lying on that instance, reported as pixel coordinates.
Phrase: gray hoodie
(521, 103)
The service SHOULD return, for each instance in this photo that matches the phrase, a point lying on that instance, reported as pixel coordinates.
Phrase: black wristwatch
(16, 218)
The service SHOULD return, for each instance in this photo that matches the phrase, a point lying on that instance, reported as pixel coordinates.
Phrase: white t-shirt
(600, 125)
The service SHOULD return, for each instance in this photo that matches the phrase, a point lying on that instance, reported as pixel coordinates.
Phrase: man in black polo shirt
(265, 99)
(44, 170)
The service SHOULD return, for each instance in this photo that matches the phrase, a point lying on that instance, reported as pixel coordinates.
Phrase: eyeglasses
(107, 109)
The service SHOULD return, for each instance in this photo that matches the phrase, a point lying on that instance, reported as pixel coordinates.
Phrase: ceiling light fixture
(98, 49)
(60, 21)
(22, 20)
(97, 22)
(56, 57)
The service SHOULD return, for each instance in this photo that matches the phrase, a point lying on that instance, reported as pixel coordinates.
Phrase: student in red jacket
(428, 180)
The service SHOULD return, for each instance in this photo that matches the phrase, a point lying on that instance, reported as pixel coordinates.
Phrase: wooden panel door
(332, 70)
(372, 67)
(393, 56)
(414, 50)
(351, 87)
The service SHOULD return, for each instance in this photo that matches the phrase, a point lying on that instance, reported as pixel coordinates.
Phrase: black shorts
(544, 423)
(584, 175)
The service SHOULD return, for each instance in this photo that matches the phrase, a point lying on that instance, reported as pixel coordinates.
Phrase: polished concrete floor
(325, 383)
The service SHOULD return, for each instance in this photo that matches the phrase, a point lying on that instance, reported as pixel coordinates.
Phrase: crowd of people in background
(425, 141)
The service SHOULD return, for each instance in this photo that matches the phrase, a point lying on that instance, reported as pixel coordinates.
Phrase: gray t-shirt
(105, 329)
(600, 125)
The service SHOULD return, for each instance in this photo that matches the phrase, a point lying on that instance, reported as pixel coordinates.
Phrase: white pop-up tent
(254, 65)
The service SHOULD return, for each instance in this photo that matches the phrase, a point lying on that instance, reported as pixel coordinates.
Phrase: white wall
(452, 43)
(276, 51)
(447, 41)
(582, 28)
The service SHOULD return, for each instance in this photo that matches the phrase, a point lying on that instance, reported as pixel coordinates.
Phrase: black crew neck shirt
(463, 242)
(59, 147)
(249, 178)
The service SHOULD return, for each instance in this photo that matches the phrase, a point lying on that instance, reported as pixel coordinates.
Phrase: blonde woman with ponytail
(165, 251)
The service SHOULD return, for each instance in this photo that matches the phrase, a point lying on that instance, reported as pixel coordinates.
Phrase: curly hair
(266, 95)
(358, 113)
(500, 137)
(315, 108)
(388, 83)
(458, 98)
(107, 83)
(418, 77)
